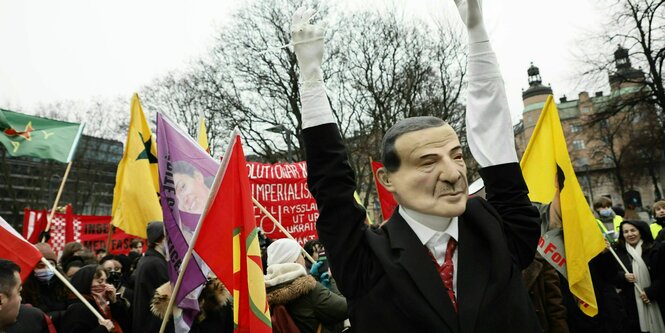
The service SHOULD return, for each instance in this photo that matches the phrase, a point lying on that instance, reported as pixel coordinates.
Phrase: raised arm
(490, 136)
(330, 178)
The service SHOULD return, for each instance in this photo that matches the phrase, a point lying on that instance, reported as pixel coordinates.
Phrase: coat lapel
(473, 272)
(422, 270)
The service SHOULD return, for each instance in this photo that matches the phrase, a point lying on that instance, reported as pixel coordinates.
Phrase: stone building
(613, 139)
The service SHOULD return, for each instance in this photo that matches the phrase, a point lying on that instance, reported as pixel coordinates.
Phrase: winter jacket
(29, 320)
(545, 291)
(79, 319)
(654, 259)
(308, 302)
(151, 272)
(49, 297)
(215, 303)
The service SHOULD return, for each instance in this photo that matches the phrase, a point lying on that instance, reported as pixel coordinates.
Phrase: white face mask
(605, 212)
(44, 274)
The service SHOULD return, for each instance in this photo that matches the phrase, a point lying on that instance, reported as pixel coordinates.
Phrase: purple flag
(186, 172)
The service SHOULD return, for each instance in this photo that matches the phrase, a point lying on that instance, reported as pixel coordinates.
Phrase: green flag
(24, 135)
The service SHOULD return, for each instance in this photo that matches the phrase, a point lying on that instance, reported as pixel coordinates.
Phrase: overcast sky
(80, 49)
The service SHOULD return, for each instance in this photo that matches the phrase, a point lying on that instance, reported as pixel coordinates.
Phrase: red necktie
(447, 269)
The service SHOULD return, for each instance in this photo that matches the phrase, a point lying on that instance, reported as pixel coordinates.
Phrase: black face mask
(115, 278)
(661, 220)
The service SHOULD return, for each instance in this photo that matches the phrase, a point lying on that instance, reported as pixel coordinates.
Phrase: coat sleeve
(556, 311)
(506, 191)
(341, 223)
(329, 308)
(655, 291)
(79, 319)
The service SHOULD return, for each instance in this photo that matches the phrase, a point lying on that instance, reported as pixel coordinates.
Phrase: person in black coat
(409, 275)
(150, 273)
(637, 235)
(90, 281)
(30, 320)
(43, 290)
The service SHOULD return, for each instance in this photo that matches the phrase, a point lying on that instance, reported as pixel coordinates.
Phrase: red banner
(282, 189)
(95, 233)
(89, 230)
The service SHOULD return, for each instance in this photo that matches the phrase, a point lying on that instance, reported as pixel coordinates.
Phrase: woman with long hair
(90, 281)
(640, 255)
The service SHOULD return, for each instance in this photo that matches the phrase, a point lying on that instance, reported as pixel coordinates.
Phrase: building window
(586, 109)
(574, 128)
(604, 123)
(578, 144)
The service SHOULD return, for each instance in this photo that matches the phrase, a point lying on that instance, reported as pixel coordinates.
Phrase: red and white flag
(15, 248)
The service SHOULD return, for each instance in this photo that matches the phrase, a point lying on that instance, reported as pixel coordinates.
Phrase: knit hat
(283, 251)
(46, 251)
(155, 231)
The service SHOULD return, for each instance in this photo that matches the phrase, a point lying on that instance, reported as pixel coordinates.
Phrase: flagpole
(57, 199)
(624, 268)
(108, 240)
(188, 255)
(279, 225)
(69, 285)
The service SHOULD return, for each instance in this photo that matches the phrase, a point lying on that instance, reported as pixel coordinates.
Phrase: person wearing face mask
(307, 301)
(607, 216)
(43, 290)
(113, 268)
(657, 225)
(645, 263)
(151, 272)
(90, 281)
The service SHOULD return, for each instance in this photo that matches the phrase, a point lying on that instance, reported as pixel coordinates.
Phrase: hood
(214, 297)
(284, 294)
(283, 273)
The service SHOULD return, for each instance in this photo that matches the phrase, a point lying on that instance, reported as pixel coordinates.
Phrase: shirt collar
(425, 233)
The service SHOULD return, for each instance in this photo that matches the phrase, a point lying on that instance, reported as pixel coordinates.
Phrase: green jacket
(310, 303)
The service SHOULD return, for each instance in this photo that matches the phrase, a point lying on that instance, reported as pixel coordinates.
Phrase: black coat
(390, 282)
(79, 319)
(151, 272)
(29, 320)
(611, 316)
(653, 259)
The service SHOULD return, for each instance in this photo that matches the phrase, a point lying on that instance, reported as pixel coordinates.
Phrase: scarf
(649, 314)
(98, 294)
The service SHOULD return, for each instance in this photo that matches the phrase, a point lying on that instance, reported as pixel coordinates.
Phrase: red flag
(13, 247)
(228, 242)
(34, 222)
(386, 199)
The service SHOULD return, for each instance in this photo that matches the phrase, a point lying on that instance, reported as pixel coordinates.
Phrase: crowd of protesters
(131, 291)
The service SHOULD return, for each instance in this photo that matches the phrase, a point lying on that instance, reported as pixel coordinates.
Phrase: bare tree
(638, 27)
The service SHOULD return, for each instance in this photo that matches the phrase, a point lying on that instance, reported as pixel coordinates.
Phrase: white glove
(307, 40)
(472, 15)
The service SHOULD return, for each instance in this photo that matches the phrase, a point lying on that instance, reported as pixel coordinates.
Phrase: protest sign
(282, 189)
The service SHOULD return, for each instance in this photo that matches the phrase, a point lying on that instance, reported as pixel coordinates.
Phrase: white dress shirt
(436, 241)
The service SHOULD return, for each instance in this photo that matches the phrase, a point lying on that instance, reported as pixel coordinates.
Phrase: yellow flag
(135, 201)
(545, 154)
(202, 138)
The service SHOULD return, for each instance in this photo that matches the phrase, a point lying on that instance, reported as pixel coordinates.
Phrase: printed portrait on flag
(192, 188)
(185, 175)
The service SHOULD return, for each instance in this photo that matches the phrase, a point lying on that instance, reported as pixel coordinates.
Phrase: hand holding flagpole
(69, 285)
